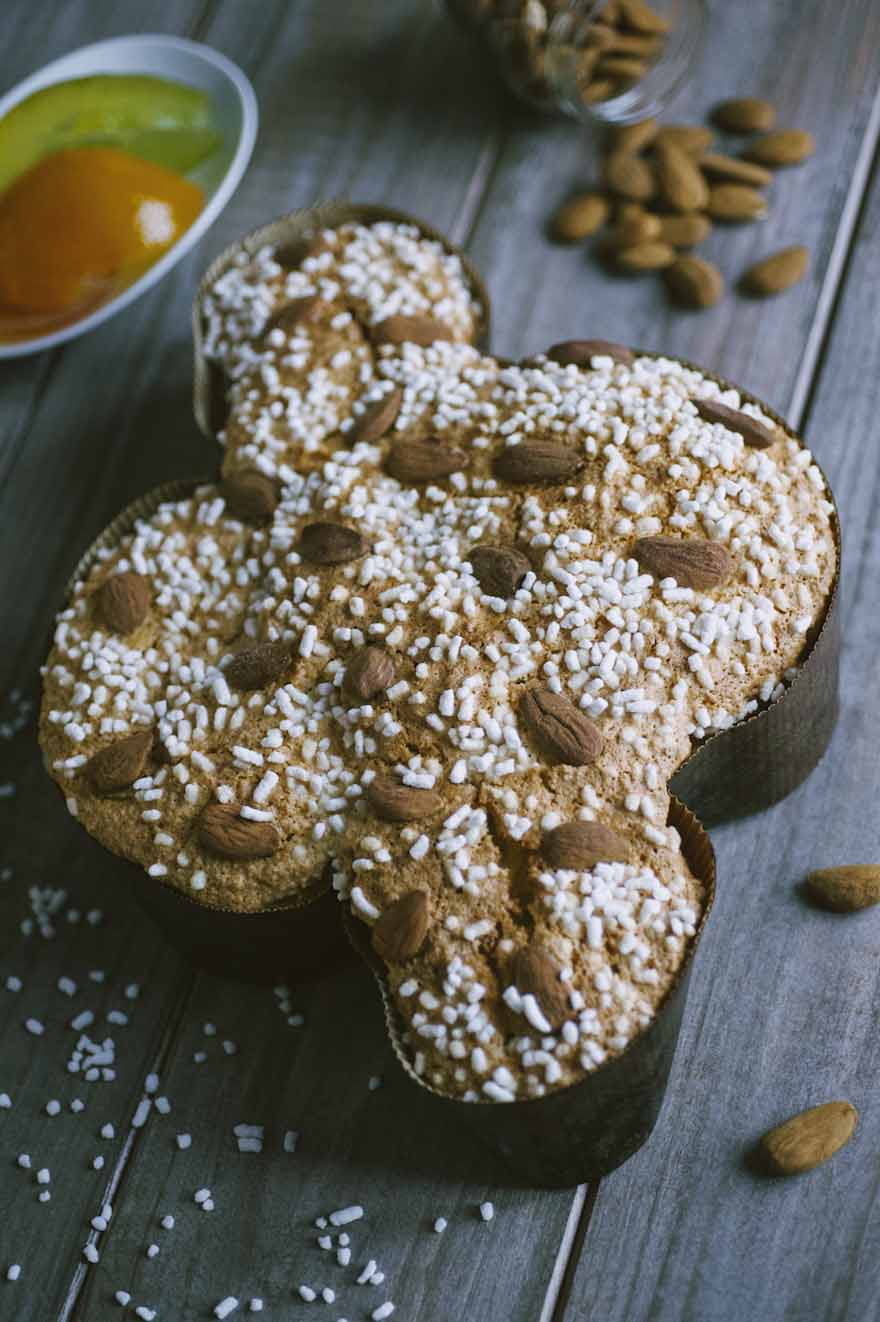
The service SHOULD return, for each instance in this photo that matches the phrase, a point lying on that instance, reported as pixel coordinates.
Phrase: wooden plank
(382, 1149)
(543, 293)
(783, 1009)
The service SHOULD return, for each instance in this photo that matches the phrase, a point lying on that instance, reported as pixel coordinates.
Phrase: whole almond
(634, 229)
(370, 671)
(499, 570)
(734, 203)
(693, 562)
(625, 67)
(377, 418)
(299, 312)
(393, 801)
(781, 148)
(579, 846)
(325, 543)
(691, 138)
(733, 170)
(845, 889)
(117, 765)
(628, 176)
(754, 433)
(259, 666)
(744, 114)
(123, 601)
(561, 730)
(694, 283)
(775, 274)
(643, 46)
(582, 352)
(410, 330)
(221, 831)
(535, 973)
(599, 90)
(400, 930)
(424, 461)
(686, 230)
(537, 461)
(639, 16)
(250, 495)
(580, 217)
(651, 256)
(634, 137)
(679, 179)
(806, 1140)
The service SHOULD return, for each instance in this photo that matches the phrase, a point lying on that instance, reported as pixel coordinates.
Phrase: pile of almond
(663, 188)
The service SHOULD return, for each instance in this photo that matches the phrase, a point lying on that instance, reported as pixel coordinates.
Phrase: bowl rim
(53, 73)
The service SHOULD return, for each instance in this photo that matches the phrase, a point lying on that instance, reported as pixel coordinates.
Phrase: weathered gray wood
(821, 70)
(783, 1011)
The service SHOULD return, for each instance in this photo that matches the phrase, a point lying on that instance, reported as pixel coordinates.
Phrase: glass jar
(614, 60)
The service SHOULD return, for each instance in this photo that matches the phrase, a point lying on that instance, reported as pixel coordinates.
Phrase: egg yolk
(78, 227)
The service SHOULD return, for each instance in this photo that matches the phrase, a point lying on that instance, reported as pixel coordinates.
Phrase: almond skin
(845, 889)
(424, 461)
(400, 930)
(499, 570)
(644, 257)
(123, 601)
(370, 671)
(535, 973)
(222, 832)
(118, 765)
(259, 666)
(582, 352)
(410, 330)
(559, 728)
(753, 432)
(580, 217)
(680, 182)
(301, 311)
(377, 418)
(806, 1140)
(331, 544)
(537, 461)
(634, 137)
(732, 170)
(581, 845)
(250, 496)
(686, 230)
(393, 801)
(782, 148)
(693, 562)
(691, 138)
(640, 227)
(629, 176)
(735, 203)
(775, 274)
(744, 114)
(694, 283)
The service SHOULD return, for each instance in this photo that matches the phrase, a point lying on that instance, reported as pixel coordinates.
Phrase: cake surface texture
(442, 633)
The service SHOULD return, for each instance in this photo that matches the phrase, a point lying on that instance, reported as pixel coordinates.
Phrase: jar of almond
(615, 60)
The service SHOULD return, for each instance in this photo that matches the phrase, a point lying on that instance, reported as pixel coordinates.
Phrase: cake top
(445, 629)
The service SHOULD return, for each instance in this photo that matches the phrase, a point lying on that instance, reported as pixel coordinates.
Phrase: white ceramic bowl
(235, 109)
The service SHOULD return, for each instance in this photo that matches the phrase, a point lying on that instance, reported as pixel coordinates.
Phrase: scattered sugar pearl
(97, 1163)
(34, 1027)
(91, 1254)
(290, 1141)
(307, 1293)
(226, 1306)
(487, 1211)
(328, 1295)
(151, 1083)
(375, 1082)
(144, 1313)
(167, 1222)
(152, 1250)
(256, 1306)
(107, 1131)
(24, 1161)
(53, 1107)
(345, 1215)
(45, 1196)
(77, 1105)
(383, 1311)
(5, 1101)
(123, 1298)
(440, 1225)
(44, 1175)
(184, 1141)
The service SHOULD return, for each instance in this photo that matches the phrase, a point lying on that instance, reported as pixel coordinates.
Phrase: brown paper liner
(586, 1130)
(294, 941)
(289, 233)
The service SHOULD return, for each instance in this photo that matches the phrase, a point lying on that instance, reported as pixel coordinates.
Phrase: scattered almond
(424, 461)
(639, 226)
(377, 418)
(123, 601)
(693, 562)
(753, 432)
(393, 801)
(806, 1140)
(775, 274)
(634, 137)
(250, 495)
(645, 257)
(679, 180)
(694, 283)
(324, 543)
(691, 138)
(733, 170)
(580, 217)
(221, 831)
(499, 570)
(629, 176)
(535, 973)
(686, 230)
(639, 16)
(581, 845)
(370, 671)
(735, 203)
(845, 889)
(410, 330)
(259, 666)
(118, 765)
(781, 148)
(537, 461)
(744, 114)
(561, 730)
(400, 930)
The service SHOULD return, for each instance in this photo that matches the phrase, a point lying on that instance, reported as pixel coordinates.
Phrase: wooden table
(388, 102)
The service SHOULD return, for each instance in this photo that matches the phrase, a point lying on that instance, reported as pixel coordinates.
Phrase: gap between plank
(568, 1254)
(832, 284)
(479, 187)
(179, 1005)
